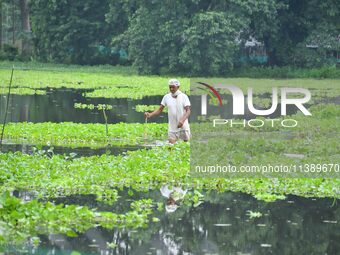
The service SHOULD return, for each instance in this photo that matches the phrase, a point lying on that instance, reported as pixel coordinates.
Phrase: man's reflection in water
(174, 195)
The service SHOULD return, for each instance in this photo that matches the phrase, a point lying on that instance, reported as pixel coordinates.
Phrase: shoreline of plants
(276, 72)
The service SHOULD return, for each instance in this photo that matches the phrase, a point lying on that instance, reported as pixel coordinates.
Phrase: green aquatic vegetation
(141, 170)
(70, 134)
(100, 107)
(20, 221)
(117, 83)
(28, 66)
(313, 141)
(92, 106)
(134, 92)
(55, 176)
(144, 108)
(252, 214)
(261, 86)
(22, 91)
(322, 91)
(263, 102)
(106, 84)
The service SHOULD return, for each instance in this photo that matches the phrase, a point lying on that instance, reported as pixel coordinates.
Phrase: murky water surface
(220, 225)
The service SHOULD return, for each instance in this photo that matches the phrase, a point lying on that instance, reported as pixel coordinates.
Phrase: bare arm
(155, 112)
(184, 117)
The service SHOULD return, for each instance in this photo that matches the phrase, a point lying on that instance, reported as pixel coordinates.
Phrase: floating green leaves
(69, 134)
(19, 221)
(144, 108)
(92, 106)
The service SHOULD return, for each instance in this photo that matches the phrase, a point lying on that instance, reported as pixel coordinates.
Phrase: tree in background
(295, 27)
(193, 37)
(11, 36)
(26, 28)
(71, 31)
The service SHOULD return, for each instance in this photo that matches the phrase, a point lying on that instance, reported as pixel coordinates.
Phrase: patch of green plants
(92, 106)
(144, 108)
(70, 134)
(134, 92)
(100, 107)
(22, 91)
(33, 65)
(106, 84)
(111, 82)
(48, 176)
(20, 221)
(287, 72)
(141, 170)
(313, 140)
(326, 87)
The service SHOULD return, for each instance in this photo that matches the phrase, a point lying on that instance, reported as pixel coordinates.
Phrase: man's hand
(180, 124)
(146, 115)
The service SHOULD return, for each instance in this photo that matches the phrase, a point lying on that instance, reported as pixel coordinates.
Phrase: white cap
(171, 208)
(174, 82)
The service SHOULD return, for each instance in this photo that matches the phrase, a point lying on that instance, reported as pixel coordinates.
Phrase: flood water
(221, 225)
(58, 106)
(77, 152)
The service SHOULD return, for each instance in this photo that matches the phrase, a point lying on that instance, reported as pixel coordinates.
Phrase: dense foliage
(72, 31)
(191, 37)
(194, 37)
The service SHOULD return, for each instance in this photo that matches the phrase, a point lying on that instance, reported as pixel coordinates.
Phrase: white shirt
(176, 110)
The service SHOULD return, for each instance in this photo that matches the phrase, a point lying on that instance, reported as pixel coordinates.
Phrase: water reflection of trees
(58, 106)
(294, 226)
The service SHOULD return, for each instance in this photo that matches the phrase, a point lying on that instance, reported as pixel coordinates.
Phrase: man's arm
(154, 113)
(184, 117)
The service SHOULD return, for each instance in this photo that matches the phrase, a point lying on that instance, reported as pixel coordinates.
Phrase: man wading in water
(178, 112)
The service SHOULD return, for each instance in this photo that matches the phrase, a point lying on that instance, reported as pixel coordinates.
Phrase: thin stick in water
(6, 110)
